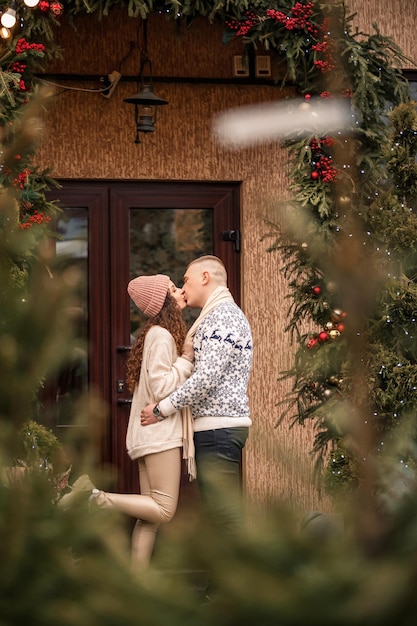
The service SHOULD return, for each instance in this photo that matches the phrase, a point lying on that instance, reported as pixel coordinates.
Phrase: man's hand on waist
(151, 414)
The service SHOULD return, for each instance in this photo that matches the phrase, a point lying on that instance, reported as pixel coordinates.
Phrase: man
(216, 392)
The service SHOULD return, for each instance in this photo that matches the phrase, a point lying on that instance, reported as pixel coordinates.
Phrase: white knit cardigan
(161, 373)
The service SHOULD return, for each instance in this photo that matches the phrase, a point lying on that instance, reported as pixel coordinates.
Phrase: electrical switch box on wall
(240, 66)
(262, 66)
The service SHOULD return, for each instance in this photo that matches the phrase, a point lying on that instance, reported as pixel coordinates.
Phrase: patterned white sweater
(216, 392)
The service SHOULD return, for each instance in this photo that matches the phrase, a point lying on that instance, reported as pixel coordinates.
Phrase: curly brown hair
(170, 317)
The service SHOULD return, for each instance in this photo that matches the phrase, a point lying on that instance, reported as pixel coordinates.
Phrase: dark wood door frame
(108, 204)
(223, 199)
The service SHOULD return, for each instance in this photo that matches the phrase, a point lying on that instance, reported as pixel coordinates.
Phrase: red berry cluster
(323, 167)
(298, 18)
(242, 27)
(322, 46)
(324, 170)
(303, 11)
(324, 141)
(18, 68)
(23, 46)
(37, 217)
(347, 93)
(326, 48)
(324, 65)
(21, 179)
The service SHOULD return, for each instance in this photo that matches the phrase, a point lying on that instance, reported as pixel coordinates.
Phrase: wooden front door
(114, 231)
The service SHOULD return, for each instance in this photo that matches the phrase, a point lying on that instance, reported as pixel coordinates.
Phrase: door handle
(234, 236)
(124, 401)
(123, 348)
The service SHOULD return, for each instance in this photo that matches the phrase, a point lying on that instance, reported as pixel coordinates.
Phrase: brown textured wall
(89, 136)
(395, 18)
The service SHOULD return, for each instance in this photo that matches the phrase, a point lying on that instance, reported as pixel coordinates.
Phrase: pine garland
(365, 172)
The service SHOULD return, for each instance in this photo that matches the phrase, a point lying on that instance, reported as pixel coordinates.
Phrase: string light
(8, 19)
(5, 33)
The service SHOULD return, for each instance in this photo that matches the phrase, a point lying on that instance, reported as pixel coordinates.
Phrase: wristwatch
(157, 412)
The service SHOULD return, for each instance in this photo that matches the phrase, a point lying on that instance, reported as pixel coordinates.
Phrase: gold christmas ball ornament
(334, 380)
(334, 334)
(329, 325)
(327, 393)
(337, 315)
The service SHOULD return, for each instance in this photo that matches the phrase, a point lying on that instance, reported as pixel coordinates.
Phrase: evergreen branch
(5, 80)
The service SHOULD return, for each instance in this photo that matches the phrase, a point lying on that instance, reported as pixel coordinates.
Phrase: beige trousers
(159, 479)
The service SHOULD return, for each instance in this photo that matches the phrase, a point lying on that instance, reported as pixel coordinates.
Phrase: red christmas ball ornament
(317, 290)
(312, 342)
(340, 327)
(315, 175)
(44, 6)
(323, 336)
(306, 104)
(56, 9)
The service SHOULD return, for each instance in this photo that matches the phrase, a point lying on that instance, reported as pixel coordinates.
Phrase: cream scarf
(219, 295)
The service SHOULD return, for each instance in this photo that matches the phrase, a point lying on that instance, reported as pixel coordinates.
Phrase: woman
(159, 362)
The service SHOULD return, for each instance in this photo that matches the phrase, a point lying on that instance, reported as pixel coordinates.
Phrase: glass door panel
(65, 386)
(72, 253)
(165, 241)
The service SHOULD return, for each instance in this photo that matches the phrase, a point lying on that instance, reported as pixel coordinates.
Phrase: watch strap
(157, 412)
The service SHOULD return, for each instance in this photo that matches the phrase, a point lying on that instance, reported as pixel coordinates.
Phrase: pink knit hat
(149, 293)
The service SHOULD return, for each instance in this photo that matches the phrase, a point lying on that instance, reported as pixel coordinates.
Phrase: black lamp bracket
(145, 62)
(144, 58)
